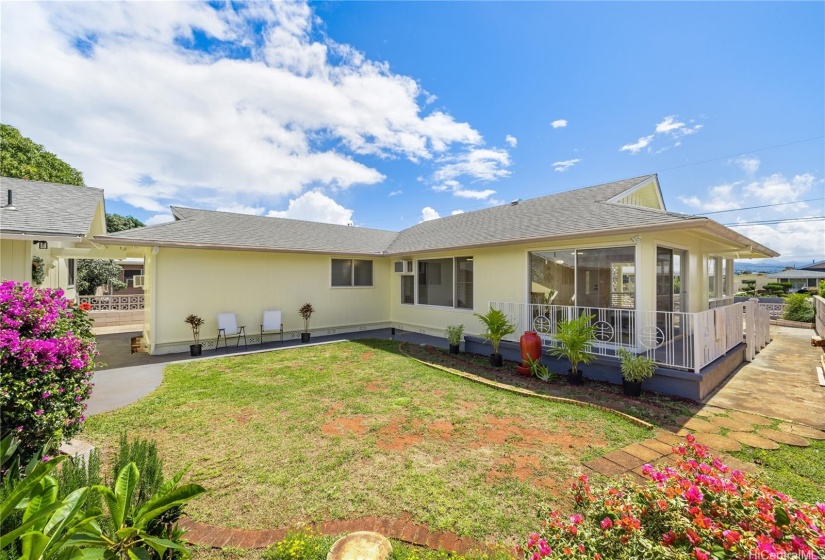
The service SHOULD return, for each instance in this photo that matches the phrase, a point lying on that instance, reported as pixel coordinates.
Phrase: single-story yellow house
(653, 279)
(38, 222)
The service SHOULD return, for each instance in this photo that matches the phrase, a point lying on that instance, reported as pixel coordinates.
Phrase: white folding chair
(272, 324)
(228, 326)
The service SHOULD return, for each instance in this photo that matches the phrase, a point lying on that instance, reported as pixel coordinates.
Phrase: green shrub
(75, 473)
(300, 545)
(144, 454)
(799, 307)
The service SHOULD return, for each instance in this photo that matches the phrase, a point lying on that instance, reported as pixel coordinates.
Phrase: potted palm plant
(306, 312)
(496, 327)
(635, 369)
(195, 322)
(454, 333)
(575, 338)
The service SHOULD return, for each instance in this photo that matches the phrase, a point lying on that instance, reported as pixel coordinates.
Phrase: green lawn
(356, 429)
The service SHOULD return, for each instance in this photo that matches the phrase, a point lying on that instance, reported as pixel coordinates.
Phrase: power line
(742, 153)
(755, 207)
(809, 219)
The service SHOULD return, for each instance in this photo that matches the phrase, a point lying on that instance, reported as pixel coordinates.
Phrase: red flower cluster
(698, 508)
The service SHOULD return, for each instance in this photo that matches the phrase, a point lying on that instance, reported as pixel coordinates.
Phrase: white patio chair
(228, 326)
(271, 323)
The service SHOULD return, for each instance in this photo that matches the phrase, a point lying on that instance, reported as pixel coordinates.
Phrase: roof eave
(754, 249)
(105, 240)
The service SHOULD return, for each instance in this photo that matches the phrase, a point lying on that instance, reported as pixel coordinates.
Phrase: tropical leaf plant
(496, 327)
(575, 338)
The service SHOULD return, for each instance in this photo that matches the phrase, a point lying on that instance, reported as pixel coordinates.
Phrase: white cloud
(314, 206)
(456, 212)
(159, 219)
(669, 124)
(428, 214)
(748, 164)
(668, 127)
(638, 145)
(720, 197)
(776, 188)
(792, 240)
(560, 123)
(484, 164)
(478, 195)
(242, 209)
(511, 140)
(563, 166)
(395, 193)
(269, 111)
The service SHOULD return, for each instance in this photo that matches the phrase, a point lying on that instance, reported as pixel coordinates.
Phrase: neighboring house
(739, 281)
(42, 222)
(130, 269)
(612, 249)
(815, 266)
(799, 277)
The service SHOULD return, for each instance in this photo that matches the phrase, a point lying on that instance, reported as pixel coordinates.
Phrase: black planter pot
(632, 388)
(305, 337)
(575, 378)
(195, 349)
(454, 348)
(496, 360)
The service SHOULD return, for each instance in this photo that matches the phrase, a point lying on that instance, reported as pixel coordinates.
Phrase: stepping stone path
(741, 428)
(754, 440)
(784, 437)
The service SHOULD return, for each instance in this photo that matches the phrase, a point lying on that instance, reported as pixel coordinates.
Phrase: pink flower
(575, 519)
(544, 548)
(607, 523)
(46, 458)
(693, 495)
(38, 412)
(700, 554)
(690, 438)
(46, 395)
(19, 428)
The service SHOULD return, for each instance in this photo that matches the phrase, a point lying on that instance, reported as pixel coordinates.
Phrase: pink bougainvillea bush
(697, 509)
(46, 363)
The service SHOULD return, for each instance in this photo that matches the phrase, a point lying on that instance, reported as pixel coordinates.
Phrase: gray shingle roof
(578, 212)
(47, 208)
(240, 231)
(582, 211)
(797, 273)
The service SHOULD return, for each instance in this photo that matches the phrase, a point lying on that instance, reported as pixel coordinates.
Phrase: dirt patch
(443, 428)
(345, 425)
(334, 407)
(520, 467)
(375, 387)
(467, 405)
(367, 356)
(512, 431)
(393, 436)
(244, 415)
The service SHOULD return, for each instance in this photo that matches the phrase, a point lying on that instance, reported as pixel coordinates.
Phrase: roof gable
(646, 194)
(48, 208)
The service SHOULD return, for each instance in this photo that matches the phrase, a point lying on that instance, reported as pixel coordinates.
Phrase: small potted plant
(306, 312)
(195, 322)
(496, 327)
(454, 333)
(635, 369)
(540, 370)
(575, 338)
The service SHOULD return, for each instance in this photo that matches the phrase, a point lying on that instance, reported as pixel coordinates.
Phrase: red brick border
(399, 529)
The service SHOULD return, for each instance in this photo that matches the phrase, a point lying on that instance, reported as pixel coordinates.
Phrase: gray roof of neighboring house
(47, 208)
(797, 273)
(207, 228)
(571, 213)
(814, 266)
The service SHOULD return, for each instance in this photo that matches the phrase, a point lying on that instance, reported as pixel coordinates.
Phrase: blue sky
(386, 113)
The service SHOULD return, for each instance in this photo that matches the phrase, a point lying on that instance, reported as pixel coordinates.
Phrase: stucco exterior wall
(207, 282)
(16, 260)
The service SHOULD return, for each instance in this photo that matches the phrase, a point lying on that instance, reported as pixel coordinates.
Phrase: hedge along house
(657, 282)
(40, 224)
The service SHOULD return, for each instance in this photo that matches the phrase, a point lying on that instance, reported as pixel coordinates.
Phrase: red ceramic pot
(530, 344)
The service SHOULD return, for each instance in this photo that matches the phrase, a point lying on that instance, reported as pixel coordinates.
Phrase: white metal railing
(775, 310)
(679, 340)
(113, 302)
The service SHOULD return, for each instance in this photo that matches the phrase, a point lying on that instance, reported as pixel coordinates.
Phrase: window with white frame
(446, 282)
(70, 264)
(351, 273)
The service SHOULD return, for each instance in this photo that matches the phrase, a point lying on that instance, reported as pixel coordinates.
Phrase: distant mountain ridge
(767, 266)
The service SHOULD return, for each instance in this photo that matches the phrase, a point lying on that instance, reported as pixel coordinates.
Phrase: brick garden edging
(526, 392)
(399, 529)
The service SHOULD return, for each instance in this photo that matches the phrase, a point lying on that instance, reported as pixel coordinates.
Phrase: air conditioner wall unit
(403, 267)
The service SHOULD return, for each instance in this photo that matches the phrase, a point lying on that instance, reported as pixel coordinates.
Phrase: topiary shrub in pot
(454, 334)
(635, 369)
(496, 327)
(195, 322)
(575, 338)
(306, 312)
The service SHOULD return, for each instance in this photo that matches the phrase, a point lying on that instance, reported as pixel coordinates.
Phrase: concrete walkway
(781, 382)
